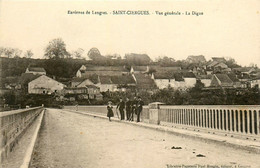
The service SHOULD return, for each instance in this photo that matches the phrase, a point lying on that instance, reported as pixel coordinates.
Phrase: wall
(162, 83)
(206, 82)
(13, 125)
(190, 82)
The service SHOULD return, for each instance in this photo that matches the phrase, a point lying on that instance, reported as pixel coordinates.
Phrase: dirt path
(69, 140)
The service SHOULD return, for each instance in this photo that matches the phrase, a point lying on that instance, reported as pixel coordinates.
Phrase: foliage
(10, 52)
(166, 61)
(137, 59)
(28, 54)
(56, 49)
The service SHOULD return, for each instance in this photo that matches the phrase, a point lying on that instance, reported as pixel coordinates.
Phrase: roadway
(71, 140)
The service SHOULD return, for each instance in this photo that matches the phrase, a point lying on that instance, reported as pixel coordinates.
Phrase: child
(109, 110)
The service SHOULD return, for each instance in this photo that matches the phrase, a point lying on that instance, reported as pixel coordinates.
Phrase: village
(93, 82)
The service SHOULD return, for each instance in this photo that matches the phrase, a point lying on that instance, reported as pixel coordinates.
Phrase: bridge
(167, 136)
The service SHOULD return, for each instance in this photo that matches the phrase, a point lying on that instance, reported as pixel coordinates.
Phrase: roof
(219, 59)
(163, 75)
(92, 86)
(46, 77)
(244, 69)
(87, 74)
(221, 64)
(212, 63)
(178, 76)
(233, 77)
(161, 69)
(105, 80)
(27, 77)
(188, 75)
(144, 82)
(204, 76)
(199, 58)
(123, 79)
(223, 78)
(106, 68)
(36, 69)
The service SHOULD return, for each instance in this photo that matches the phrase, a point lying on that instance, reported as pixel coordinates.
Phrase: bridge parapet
(13, 125)
(234, 120)
(239, 121)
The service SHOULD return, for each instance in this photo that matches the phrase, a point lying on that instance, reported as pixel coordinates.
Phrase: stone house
(44, 85)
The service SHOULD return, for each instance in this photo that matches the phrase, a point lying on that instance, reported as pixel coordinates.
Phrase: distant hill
(64, 68)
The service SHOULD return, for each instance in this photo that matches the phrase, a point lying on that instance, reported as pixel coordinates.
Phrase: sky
(227, 28)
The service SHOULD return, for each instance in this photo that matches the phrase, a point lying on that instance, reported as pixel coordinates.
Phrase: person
(121, 106)
(128, 108)
(110, 110)
(140, 104)
(133, 108)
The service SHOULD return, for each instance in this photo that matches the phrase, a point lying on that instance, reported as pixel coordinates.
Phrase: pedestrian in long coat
(110, 110)
(121, 106)
(140, 104)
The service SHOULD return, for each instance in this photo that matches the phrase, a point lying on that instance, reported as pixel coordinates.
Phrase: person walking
(121, 106)
(110, 110)
(140, 104)
(133, 108)
(128, 108)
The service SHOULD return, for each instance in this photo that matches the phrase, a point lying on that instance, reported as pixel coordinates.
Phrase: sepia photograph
(130, 84)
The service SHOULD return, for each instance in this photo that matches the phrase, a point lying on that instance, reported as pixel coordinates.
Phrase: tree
(28, 54)
(166, 61)
(231, 62)
(78, 53)
(56, 49)
(94, 53)
(137, 59)
(10, 52)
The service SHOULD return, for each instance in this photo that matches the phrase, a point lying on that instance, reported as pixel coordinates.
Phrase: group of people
(131, 107)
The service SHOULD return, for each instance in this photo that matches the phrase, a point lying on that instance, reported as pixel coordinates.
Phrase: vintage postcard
(130, 84)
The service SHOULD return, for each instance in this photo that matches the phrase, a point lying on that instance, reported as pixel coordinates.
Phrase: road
(71, 140)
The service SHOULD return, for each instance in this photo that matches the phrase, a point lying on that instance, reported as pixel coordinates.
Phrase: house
(36, 70)
(94, 92)
(245, 71)
(82, 82)
(163, 80)
(217, 67)
(221, 65)
(205, 79)
(105, 84)
(196, 59)
(235, 80)
(255, 82)
(44, 85)
(180, 80)
(139, 69)
(115, 83)
(221, 80)
(218, 59)
(189, 79)
(145, 83)
(86, 92)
